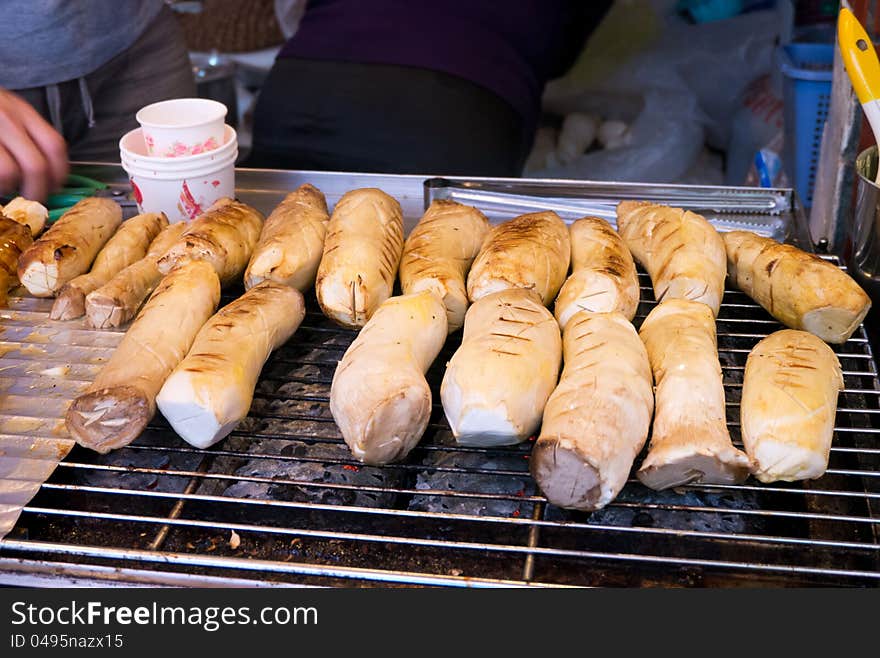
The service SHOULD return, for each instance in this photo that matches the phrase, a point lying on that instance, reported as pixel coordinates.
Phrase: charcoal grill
(281, 501)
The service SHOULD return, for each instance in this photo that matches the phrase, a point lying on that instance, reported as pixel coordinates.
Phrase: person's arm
(33, 156)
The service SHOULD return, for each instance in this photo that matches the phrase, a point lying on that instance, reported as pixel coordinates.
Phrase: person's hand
(33, 156)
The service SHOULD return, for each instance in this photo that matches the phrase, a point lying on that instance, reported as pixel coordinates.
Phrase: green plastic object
(85, 181)
(76, 188)
(67, 197)
(55, 215)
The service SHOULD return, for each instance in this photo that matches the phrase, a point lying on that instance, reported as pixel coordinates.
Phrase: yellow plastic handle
(859, 57)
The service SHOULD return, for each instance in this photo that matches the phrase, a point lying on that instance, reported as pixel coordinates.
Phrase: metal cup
(863, 255)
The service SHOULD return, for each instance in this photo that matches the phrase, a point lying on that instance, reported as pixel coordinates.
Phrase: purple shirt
(509, 47)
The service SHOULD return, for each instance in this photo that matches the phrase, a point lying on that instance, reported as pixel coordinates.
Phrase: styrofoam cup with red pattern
(182, 188)
(182, 127)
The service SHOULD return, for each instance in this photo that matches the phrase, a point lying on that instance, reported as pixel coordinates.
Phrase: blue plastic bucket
(807, 69)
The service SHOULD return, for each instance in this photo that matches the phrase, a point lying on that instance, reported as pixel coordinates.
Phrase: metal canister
(863, 249)
(863, 253)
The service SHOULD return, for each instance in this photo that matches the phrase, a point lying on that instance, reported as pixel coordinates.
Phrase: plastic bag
(665, 139)
(721, 60)
(677, 84)
(766, 168)
(758, 120)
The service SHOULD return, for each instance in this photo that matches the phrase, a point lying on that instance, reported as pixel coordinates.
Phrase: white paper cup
(182, 188)
(182, 196)
(182, 127)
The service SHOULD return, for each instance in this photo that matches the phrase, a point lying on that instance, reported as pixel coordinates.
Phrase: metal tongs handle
(601, 199)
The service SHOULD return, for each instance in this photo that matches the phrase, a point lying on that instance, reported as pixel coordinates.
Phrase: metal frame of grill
(305, 512)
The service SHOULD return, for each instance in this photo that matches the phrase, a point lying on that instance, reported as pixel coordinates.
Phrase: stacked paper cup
(182, 158)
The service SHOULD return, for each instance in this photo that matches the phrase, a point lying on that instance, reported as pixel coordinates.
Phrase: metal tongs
(601, 199)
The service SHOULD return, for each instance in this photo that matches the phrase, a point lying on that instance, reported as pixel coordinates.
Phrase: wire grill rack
(281, 501)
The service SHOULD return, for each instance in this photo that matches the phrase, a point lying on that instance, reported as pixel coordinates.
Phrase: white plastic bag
(756, 122)
(678, 86)
(665, 139)
(720, 60)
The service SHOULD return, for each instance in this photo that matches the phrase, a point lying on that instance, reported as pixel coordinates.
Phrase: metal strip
(176, 511)
(261, 566)
(410, 578)
(535, 521)
(641, 506)
(315, 438)
(445, 493)
(42, 573)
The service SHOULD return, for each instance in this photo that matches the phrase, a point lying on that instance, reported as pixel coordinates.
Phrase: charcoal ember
(251, 490)
(270, 419)
(732, 413)
(731, 364)
(291, 409)
(321, 361)
(304, 390)
(515, 486)
(321, 372)
(145, 459)
(283, 428)
(298, 466)
(266, 387)
(857, 402)
(248, 425)
(309, 334)
(730, 359)
(645, 306)
(639, 516)
(328, 352)
(733, 396)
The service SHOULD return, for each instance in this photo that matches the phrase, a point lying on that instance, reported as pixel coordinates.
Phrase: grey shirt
(50, 41)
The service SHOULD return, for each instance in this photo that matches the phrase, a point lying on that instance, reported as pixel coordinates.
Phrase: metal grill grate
(306, 512)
